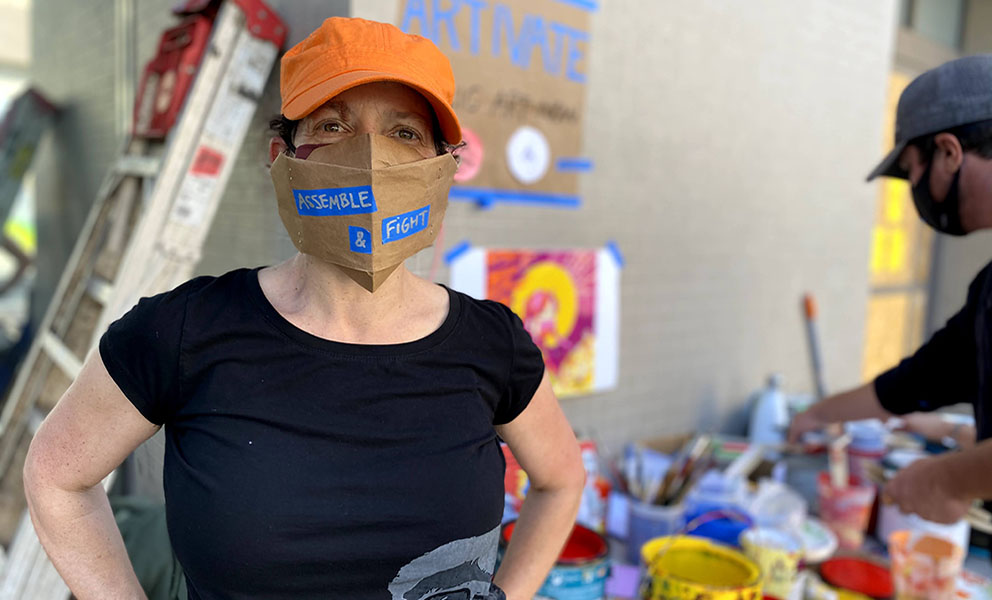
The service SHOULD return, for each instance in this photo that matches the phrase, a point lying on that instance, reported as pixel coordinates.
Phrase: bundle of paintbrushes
(656, 478)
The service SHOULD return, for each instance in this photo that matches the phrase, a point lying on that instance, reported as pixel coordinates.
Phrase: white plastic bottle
(769, 414)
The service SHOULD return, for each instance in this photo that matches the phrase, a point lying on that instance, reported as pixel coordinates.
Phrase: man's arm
(852, 405)
(542, 441)
(936, 428)
(87, 435)
(941, 372)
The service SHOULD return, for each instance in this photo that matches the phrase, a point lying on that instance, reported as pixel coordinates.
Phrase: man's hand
(852, 405)
(922, 488)
(804, 422)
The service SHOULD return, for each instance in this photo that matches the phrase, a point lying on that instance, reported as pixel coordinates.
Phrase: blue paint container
(724, 526)
(581, 570)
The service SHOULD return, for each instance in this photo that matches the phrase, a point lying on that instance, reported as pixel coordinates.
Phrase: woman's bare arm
(542, 441)
(87, 435)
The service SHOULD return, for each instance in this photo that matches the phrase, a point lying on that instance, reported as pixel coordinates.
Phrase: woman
(330, 421)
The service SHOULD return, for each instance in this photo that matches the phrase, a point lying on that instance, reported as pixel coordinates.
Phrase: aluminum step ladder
(131, 246)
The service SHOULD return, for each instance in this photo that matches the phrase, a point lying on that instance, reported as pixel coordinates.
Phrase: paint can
(924, 566)
(581, 570)
(686, 568)
(724, 525)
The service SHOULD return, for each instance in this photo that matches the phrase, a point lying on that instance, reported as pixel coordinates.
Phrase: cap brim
(309, 100)
(889, 167)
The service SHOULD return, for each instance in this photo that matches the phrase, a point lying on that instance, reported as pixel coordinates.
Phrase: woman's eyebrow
(400, 114)
(334, 106)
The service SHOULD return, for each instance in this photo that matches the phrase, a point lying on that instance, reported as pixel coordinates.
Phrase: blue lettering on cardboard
(446, 17)
(503, 28)
(415, 9)
(559, 47)
(405, 225)
(360, 239)
(574, 51)
(475, 6)
(335, 202)
(533, 33)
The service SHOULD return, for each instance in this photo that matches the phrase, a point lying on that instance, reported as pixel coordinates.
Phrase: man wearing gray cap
(944, 148)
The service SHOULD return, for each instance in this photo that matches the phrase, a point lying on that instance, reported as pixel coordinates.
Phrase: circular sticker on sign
(528, 154)
(469, 156)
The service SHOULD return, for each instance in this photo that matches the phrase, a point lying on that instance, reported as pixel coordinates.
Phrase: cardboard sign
(520, 88)
(365, 205)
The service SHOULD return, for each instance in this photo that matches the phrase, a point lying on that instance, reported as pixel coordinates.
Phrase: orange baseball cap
(344, 53)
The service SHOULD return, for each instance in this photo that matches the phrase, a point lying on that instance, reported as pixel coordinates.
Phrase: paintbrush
(632, 473)
(876, 474)
(682, 469)
(747, 462)
(979, 518)
(699, 467)
(837, 457)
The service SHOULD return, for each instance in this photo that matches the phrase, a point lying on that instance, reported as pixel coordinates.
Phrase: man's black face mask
(944, 216)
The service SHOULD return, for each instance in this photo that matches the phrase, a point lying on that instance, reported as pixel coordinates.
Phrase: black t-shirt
(298, 467)
(954, 366)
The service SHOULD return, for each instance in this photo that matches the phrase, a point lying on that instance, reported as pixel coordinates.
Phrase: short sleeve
(141, 352)
(526, 373)
(944, 371)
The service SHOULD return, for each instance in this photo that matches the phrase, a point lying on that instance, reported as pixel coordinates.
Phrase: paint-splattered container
(687, 568)
(581, 570)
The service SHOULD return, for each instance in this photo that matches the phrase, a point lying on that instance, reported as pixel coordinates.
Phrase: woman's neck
(323, 300)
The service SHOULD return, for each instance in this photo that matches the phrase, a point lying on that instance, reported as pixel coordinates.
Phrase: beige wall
(730, 141)
(15, 32)
(978, 27)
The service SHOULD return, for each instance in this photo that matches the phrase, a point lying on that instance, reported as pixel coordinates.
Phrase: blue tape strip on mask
(405, 225)
(360, 239)
(335, 202)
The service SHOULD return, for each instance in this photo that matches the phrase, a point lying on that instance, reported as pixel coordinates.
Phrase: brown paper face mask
(365, 204)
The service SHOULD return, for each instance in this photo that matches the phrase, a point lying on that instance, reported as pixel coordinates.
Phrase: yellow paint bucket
(688, 568)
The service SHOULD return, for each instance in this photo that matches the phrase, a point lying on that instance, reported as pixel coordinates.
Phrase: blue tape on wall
(574, 164)
(612, 248)
(487, 197)
(456, 251)
(588, 5)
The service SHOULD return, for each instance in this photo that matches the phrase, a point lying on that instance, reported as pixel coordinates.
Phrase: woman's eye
(407, 134)
(331, 127)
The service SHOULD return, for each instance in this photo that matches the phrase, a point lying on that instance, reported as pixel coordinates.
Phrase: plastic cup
(649, 521)
(924, 567)
(846, 511)
(859, 460)
(777, 553)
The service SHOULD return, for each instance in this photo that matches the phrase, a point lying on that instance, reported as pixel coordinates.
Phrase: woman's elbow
(577, 475)
(33, 472)
(38, 475)
(568, 476)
